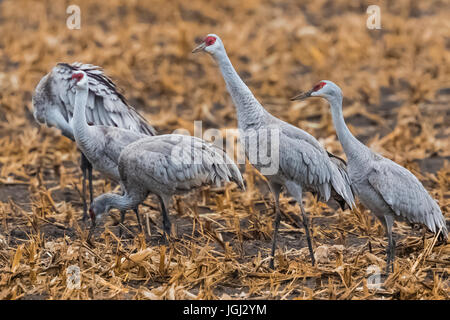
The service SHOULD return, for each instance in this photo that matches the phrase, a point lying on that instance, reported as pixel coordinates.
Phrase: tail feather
(343, 191)
(233, 170)
(440, 224)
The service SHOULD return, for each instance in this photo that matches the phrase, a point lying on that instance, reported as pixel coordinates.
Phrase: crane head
(99, 206)
(79, 79)
(211, 44)
(324, 88)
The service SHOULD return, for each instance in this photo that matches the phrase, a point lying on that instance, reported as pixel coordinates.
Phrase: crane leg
(83, 196)
(390, 249)
(275, 188)
(308, 237)
(122, 219)
(296, 192)
(138, 218)
(86, 169)
(166, 220)
(91, 188)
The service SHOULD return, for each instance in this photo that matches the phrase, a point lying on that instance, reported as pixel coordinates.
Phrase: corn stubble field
(397, 95)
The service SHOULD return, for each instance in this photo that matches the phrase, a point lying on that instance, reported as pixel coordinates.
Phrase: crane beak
(200, 47)
(302, 95)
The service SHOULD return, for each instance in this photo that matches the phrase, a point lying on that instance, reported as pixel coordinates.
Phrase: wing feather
(304, 160)
(406, 195)
(180, 162)
(106, 105)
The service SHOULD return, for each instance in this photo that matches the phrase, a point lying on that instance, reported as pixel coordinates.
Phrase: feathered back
(53, 98)
(176, 162)
(405, 195)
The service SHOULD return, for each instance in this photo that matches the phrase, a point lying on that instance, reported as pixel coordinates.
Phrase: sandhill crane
(388, 190)
(53, 104)
(165, 165)
(303, 164)
(101, 145)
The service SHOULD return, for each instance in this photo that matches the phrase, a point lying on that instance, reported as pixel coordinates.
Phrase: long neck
(81, 129)
(249, 110)
(352, 146)
(120, 202)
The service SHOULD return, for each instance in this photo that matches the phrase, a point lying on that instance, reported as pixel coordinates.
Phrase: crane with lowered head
(165, 165)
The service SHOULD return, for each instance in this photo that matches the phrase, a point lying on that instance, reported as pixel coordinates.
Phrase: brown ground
(397, 94)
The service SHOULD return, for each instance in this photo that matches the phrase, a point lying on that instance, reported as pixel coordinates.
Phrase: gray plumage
(166, 165)
(304, 165)
(404, 194)
(53, 101)
(53, 104)
(104, 153)
(170, 164)
(387, 189)
(100, 144)
(304, 161)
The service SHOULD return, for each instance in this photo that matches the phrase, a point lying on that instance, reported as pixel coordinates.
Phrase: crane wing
(178, 161)
(105, 106)
(303, 159)
(405, 194)
(116, 139)
(341, 164)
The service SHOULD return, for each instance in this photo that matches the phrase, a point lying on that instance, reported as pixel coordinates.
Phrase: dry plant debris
(397, 96)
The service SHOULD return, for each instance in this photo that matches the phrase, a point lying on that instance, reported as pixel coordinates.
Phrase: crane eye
(210, 40)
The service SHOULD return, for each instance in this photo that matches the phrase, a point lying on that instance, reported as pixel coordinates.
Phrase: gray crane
(388, 190)
(53, 104)
(100, 144)
(165, 165)
(301, 163)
